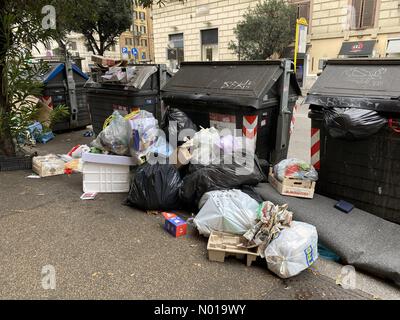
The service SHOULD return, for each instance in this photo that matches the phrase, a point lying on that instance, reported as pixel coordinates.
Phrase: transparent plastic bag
(116, 137)
(144, 133)
(295, 250)
(229, 211)
(295, 168)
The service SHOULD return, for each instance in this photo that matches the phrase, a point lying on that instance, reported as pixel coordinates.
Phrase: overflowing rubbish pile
(206, 173)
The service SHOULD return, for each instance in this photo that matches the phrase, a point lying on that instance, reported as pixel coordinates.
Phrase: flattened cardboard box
(47, 166)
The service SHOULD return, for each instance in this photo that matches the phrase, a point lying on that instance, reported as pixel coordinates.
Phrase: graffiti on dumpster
(343, 102)
(365, 77)
(236, 85)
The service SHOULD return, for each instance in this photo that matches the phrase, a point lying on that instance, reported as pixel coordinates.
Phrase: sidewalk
(102, 249)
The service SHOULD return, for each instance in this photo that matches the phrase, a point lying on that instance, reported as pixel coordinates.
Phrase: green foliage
(59, 113)
(23, 86)
(266, 30)
(104, 18)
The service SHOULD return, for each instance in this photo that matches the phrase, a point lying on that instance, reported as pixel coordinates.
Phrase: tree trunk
(7, 146)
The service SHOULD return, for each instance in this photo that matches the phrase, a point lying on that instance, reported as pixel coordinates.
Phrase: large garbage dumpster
(256, 97)
(59, 90)
(142, 91)
(364, 171)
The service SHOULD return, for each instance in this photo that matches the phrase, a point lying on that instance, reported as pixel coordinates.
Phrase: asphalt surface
(102, 249)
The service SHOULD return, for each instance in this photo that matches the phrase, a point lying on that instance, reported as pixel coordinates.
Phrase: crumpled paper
(272, 219)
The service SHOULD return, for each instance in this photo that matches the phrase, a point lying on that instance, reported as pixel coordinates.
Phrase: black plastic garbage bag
(202, 179)
(352, 123)
(155, 187)
(182, 120)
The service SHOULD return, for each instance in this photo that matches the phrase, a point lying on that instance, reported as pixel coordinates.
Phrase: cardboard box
(176, 226)
(47, 166)
(292, 187)
(221, 245)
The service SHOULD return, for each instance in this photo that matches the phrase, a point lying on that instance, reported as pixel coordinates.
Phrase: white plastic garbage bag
(227, 211)
(293, 251)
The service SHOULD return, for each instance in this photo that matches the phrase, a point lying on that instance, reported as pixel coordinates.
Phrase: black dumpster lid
(372, 84)
(238, 83)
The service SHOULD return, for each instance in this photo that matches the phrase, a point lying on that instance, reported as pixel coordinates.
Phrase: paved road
(102, 249)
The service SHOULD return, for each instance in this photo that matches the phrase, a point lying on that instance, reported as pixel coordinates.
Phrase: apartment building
(76, 45)
(137, 44)
(196, 30)
(200, 30)
(351, 29)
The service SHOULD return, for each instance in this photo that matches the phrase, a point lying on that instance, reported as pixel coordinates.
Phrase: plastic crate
(105, 178)
(16, 163)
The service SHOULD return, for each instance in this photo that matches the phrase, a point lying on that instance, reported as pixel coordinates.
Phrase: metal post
(285, 114)
(71, 91)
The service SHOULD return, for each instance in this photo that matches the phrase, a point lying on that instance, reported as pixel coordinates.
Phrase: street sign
(125, 50)
(143, 56)
(301, 39)
(135, 52)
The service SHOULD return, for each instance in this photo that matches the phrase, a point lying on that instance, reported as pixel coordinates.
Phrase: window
(363, 14)
(142, 16)
(128, 41)
(144, 43)
(136, 15)
(176, 42)
(73, 46)
(209, 45)
(136, 29)
(143, 29)
(303, 10)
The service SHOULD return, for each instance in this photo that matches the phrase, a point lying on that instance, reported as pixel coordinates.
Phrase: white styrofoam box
(105, 178)
(108, 159)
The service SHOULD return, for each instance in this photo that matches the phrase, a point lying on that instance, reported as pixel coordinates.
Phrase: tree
(266, 30)
(22, 28)
(100, 21)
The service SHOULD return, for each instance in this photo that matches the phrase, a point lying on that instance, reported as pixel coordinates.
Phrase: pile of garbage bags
(289, 247)
(215, 180)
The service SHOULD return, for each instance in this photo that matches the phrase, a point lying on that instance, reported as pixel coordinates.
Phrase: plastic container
(237, 95)
(16, 163)
(105, 178)
(363, 172)
(105, 98)
(55, 93)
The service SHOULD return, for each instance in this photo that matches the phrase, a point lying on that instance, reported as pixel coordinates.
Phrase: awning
(357, 48)
(393, 46)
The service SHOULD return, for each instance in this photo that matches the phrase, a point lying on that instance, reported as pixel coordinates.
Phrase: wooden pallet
(292, 187)
(222, 245)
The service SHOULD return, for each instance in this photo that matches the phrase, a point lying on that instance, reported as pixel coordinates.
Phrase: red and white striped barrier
(293, 122)
(316, 148)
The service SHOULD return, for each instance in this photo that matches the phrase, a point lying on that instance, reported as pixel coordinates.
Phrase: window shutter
(357, 7)
(368, 15)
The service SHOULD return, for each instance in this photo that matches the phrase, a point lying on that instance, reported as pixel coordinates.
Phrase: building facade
(137, 44)
(200, 30)
(77, 48)
(196, 30)
(140, 37)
